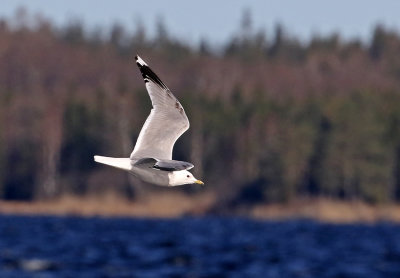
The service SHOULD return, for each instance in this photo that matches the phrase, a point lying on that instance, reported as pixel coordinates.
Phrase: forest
(273, 118)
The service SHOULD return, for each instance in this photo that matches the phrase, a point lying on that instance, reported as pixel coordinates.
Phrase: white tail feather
(120, 163)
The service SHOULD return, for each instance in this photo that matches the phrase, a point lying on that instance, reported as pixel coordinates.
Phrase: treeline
(272, 118)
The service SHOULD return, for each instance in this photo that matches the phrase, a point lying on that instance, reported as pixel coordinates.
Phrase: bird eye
(187, 176)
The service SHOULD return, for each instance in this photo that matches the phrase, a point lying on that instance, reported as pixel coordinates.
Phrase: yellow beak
(199, 182)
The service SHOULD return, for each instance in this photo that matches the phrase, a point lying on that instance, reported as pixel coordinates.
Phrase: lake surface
(194, 247)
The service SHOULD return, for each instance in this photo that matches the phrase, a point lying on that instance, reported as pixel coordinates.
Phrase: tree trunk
(51, 137)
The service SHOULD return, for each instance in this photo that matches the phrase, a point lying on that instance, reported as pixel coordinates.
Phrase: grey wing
(163, 165)
(173, 165)
(165, 124)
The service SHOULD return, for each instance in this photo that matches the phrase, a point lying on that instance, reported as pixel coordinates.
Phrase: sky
(217, 21)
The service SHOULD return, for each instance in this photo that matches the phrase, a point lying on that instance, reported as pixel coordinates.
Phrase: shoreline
(165, 206)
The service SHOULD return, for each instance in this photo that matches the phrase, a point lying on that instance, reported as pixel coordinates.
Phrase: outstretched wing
(165, 124)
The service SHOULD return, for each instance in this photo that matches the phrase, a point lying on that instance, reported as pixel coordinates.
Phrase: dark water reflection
(205, 247)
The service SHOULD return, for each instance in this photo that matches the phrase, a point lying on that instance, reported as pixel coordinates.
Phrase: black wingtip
(147, 73)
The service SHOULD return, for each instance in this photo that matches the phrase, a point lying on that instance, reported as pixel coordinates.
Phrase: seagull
(151, 159)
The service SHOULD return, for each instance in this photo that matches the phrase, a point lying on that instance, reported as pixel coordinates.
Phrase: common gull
(151, 159)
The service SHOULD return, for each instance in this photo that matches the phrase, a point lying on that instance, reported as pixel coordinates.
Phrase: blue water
(204, 247)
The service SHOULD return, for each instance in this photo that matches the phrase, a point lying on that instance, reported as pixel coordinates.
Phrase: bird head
(182, 177)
